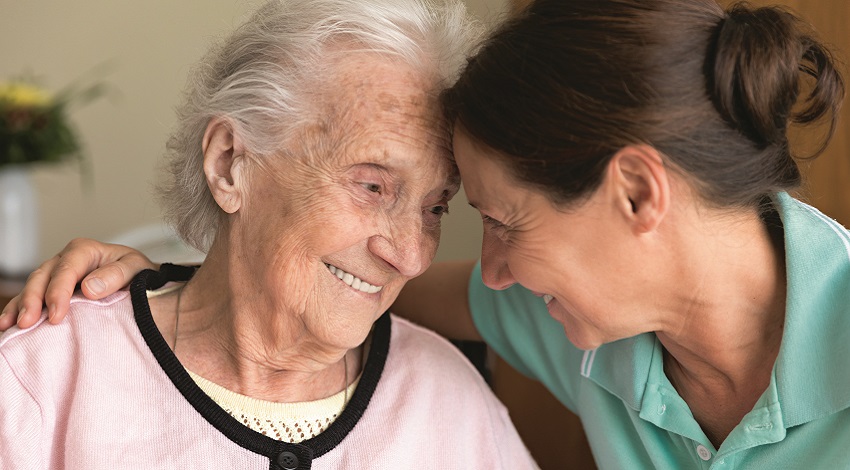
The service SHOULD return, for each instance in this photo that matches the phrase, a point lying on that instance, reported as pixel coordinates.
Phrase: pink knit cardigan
(103, 391)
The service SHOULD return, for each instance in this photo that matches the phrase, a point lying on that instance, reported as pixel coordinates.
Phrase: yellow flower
(23, 95)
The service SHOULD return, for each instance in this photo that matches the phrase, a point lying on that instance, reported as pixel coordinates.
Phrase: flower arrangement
(34, 125)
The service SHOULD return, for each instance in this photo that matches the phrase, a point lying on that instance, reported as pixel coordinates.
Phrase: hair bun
(755, 77)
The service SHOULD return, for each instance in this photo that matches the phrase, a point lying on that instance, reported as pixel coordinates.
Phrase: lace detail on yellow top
(288, 422)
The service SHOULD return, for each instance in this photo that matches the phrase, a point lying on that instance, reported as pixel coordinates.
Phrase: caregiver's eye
(492, 222)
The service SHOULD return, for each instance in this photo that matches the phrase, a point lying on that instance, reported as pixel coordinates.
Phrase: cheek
(540, 268)
(526, 255)
(430, 243)
(335, 222)
(526, 269)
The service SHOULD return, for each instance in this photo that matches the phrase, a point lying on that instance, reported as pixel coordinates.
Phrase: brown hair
(558, 90)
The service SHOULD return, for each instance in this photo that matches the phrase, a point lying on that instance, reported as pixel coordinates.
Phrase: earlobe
(223, 162)
(641, 186)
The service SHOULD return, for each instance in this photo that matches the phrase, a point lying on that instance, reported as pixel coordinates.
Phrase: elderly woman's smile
(353, 281)
(311, 162)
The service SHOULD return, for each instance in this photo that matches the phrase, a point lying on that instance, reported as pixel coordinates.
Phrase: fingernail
(95, 285)
(21, 313)
(51, 310)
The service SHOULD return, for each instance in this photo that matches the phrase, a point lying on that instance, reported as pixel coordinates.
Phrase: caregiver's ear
(641, 186)
(223, 163)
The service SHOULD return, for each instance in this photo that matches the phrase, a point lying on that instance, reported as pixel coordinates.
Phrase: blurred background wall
(144, 51)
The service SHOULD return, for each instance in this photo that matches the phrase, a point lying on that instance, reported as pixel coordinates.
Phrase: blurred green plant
(35, 125)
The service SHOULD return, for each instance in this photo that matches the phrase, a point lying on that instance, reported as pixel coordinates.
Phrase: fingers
(57, 286)
(25, 308)
(30, 300)
(9, 314)
(103, 268)
(115, 275)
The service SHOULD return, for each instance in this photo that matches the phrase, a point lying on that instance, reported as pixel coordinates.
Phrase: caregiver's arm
(103, 269)
(439, 300)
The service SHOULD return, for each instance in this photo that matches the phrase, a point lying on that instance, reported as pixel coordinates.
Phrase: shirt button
(703, 452)
(287, 461)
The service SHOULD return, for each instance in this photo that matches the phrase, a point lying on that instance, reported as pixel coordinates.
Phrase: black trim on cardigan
(245, 437)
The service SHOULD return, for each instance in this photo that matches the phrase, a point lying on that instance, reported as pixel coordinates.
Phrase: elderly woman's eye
(372, 187)
(439, 210)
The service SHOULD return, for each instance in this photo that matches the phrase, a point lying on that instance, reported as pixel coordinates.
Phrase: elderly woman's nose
(405, 247)
(495, 272)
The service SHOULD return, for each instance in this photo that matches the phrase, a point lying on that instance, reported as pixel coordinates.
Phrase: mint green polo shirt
(635, 419)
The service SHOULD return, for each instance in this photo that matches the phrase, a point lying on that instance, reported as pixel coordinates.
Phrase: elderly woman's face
(338, 228)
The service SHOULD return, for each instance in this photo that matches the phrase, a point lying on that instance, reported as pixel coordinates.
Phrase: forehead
(488, 184)
(379, 107)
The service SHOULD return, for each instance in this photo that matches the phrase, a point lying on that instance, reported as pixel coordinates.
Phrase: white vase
(18, 221)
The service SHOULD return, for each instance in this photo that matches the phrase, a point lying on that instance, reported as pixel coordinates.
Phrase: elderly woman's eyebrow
(452, 184)
(376, 166)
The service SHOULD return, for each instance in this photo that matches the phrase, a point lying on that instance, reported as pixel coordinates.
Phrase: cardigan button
(287, 461)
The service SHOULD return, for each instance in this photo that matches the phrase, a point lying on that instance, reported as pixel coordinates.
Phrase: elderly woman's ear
(224, 163)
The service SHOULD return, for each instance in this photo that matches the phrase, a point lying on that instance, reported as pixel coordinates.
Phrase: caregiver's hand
(103, 269)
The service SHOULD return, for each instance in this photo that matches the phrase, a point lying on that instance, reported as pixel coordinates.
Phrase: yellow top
(288, 422)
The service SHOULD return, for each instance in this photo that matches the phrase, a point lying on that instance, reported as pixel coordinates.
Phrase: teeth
(547, 298)
(354, 282)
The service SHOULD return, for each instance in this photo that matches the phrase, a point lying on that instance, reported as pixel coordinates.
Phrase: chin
(583, 342)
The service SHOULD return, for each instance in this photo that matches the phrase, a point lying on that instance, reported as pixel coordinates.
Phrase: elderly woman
(311, 161)
(643, 257)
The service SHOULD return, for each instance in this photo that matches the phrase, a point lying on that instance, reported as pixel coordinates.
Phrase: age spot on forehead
(363, 95)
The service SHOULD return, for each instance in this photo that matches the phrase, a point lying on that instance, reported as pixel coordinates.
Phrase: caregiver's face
(343, 224)
(562, 255)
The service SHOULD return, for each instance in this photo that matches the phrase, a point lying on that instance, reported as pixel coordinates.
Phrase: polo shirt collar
(811, 379)
(812, 376)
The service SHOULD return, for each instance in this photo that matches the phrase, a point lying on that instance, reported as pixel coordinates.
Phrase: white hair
(254, 78)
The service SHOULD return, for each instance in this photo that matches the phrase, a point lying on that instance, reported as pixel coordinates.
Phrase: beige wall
(148, 46)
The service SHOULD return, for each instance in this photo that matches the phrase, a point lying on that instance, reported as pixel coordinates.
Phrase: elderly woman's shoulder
(86, 318)
(417, 343)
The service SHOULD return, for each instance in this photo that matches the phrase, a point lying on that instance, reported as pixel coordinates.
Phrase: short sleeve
(516, 325)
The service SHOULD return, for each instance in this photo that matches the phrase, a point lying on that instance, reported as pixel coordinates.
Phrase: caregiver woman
(642, 256)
